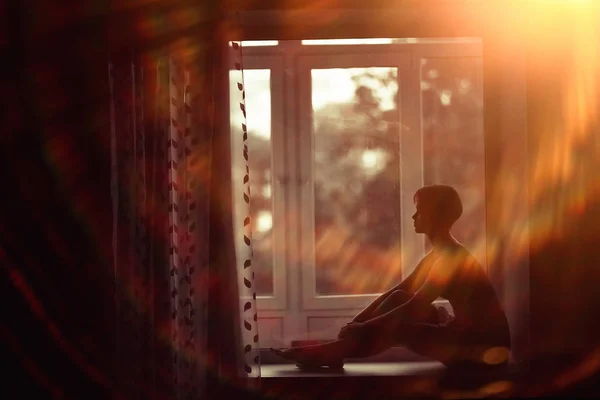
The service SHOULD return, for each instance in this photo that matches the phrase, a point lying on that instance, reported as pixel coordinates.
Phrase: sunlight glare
(257, 86)
(257, 43)
(264, 221)
(446, 97)
(369, 159)
(331, 86)
(266, 190)
(556, 162)
(346, 41)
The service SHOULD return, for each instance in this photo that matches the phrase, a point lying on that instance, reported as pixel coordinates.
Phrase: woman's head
(438, 208)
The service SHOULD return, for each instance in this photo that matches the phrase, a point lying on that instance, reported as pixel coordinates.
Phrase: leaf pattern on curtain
(247, 289)
(162, 143)
(182, 234)
(161, 198)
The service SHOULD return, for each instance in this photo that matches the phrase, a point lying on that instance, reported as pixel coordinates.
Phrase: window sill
(364, 380)
(393, 355)
(417, 368)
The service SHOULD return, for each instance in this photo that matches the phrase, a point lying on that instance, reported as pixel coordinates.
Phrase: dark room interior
(72, 72)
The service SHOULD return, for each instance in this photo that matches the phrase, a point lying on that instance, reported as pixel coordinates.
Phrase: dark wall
(55, 205)
(57, 280)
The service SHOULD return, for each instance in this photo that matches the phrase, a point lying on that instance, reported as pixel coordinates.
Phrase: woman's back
(472, 295)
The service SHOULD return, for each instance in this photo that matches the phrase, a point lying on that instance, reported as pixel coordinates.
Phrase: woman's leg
(378, 340)
(398, 298)
(323, 354)
(437, 342)
(445, 344)
(431, 340)
(372, 342)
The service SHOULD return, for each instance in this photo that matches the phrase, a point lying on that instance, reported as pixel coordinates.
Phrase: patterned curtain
(243, 228)
(174, 257)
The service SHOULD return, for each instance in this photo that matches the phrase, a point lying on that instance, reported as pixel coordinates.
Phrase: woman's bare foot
(305, 360)
(293, 354)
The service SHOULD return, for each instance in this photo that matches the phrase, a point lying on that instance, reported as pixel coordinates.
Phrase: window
(341, 135)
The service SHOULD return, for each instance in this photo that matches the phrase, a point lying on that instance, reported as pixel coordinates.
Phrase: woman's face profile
(421, 219)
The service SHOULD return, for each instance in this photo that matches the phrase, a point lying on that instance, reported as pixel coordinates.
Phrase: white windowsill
(393, 355)
(419, 368)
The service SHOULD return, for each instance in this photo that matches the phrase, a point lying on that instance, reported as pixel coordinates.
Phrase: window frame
(505, 111)
(308, 60)
(279, 299)
(407, 58)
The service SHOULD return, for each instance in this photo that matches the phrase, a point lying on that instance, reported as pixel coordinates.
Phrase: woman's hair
(442, 201)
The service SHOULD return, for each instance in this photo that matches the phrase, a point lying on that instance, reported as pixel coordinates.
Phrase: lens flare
(496, 355)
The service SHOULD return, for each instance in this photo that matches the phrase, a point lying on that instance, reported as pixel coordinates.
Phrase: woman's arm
(405, 285)
(365, 314)
(438, 279)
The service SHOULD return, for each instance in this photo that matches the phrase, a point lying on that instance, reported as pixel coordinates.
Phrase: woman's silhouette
(477, 334)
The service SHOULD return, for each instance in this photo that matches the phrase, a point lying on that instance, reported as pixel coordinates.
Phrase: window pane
(357, 179)
(453, 139)
(257, 84)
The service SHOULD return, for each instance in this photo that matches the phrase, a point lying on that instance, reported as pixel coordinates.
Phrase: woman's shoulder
(457, 251)
(460, 256)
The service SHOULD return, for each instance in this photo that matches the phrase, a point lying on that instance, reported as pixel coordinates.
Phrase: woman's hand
(351, 329)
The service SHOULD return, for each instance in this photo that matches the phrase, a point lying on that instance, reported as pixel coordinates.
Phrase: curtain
(184, 323)
(243, 223)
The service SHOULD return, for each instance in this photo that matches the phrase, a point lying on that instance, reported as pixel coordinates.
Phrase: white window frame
(407, 58)
(408, 147)
(274, 63)
(295, 305)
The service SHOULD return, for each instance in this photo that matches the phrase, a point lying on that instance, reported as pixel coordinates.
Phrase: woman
(478, 334)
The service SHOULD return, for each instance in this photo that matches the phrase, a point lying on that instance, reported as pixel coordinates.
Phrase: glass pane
(257, 84)
(357, 180)
(453, 139)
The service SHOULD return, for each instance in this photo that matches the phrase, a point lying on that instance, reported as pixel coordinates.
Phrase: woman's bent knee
(400, 296)
(430, 313)
(395, 299)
